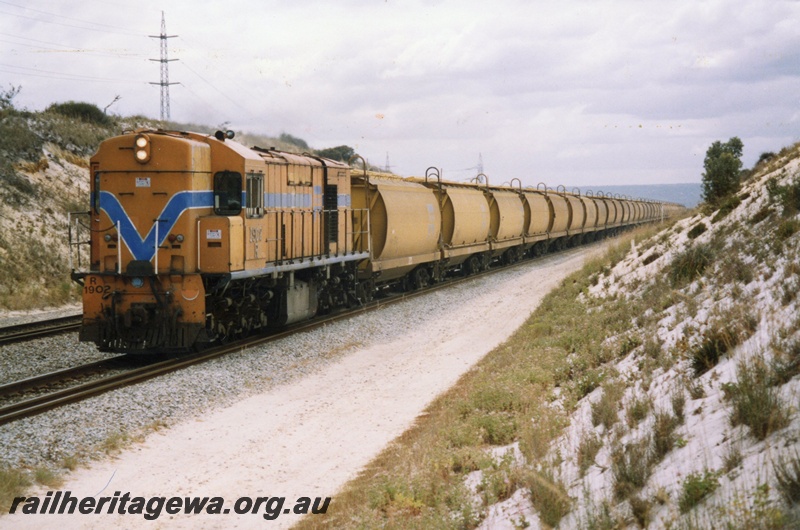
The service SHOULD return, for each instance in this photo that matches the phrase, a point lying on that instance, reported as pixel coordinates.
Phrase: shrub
(495, 429)
(788, 196)
(630, 465)
(787, 229)
(723, 334)
(18, 141)
(13, 483)
(697, 487)
(651, 258)
(765, 157)
(587, 451)
(604, 411)
(730, 204)
(678, 400)
(787, 474)
(696, 230)
(637, 410)
(86, 112)
(754, 402)
(689, 264)
(641, 510)
(664, 434)
(548, 497)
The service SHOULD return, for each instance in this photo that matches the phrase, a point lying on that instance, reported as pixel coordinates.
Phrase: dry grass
(418, 481)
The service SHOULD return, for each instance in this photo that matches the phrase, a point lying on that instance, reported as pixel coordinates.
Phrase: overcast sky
(580, 93)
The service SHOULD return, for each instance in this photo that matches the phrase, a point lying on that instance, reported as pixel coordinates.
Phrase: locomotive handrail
(119, 251)
(367, 196)
(74, 239)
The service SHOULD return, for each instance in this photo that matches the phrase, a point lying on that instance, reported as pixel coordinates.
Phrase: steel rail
(83, 391)
(38, 381)
(42, 328)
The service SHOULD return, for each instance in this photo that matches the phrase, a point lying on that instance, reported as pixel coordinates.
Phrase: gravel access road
(295, 418)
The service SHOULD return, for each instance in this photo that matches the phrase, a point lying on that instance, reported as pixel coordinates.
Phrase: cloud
(573, 92)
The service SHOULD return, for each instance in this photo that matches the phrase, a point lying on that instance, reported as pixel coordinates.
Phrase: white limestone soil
(309, 437)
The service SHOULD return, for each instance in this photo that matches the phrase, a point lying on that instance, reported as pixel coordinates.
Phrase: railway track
(81, 391)
(42, 328)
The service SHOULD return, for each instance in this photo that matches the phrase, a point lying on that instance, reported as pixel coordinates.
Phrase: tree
(289, 139)
(722, 166)
(343, 153)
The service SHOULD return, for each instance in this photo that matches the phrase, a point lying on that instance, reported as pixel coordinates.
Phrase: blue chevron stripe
(143, 248)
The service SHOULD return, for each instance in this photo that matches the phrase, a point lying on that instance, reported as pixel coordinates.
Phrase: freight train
(195, 239)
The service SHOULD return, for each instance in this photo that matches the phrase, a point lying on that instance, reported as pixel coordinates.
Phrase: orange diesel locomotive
(195, 238)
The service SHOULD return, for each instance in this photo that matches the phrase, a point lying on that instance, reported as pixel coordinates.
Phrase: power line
(67, 49)
(111, 29)
(224, 94)
(61, 75)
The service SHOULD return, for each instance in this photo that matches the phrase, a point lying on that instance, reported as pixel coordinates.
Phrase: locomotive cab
(141, 292)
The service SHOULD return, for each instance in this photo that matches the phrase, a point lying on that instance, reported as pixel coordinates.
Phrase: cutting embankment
(656, 388)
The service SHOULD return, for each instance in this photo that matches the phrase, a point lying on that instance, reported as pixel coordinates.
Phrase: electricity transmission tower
(164, 83)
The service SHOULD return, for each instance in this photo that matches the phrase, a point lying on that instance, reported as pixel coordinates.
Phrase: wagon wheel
(421, 278)
(472, 266)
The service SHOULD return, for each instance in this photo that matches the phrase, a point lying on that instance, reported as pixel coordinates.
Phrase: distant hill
(688, 194)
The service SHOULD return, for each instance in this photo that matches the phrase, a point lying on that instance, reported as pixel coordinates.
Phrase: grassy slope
(658, 386)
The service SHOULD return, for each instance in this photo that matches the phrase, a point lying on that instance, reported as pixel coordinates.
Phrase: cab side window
(227, 193)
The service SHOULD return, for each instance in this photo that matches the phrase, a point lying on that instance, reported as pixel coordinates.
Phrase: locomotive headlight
(107, 237)
(142, 148)
(179, 238)
(137, 282)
